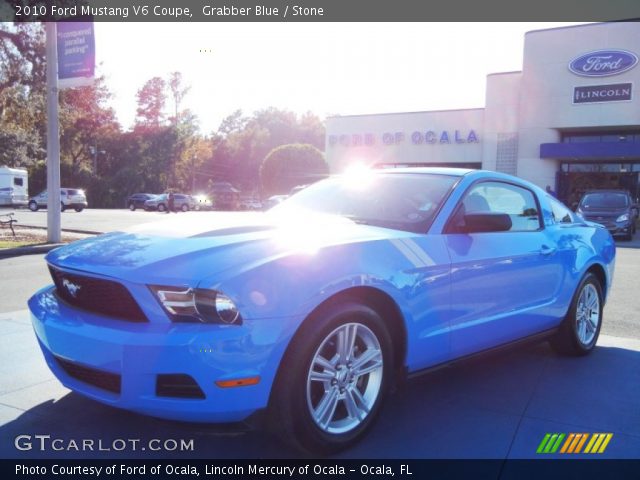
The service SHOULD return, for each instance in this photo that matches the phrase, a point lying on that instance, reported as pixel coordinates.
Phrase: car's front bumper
(138, 352)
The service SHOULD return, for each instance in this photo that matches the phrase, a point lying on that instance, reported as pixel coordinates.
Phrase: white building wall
(346, 140)
(523, 110)
(546, 104)
(500, 147)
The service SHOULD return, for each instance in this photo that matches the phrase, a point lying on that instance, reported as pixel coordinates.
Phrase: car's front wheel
(185, 207)
(132, 207)
(333, 379)
(580, 329)
(33, 206)
(161, 207)
(79, 209)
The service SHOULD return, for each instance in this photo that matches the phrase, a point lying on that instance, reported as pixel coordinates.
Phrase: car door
(41, 199)
(504, 278)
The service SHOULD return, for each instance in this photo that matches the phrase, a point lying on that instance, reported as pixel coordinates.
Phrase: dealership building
(570, 119)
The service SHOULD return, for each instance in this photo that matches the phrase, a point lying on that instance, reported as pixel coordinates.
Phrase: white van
(14, 183)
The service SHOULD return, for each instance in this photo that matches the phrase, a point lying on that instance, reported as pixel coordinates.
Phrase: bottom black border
(542, 469)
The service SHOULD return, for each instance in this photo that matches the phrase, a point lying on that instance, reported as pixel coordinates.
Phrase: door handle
(546, 250)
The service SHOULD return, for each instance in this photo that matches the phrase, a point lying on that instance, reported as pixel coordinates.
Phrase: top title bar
(316, 10)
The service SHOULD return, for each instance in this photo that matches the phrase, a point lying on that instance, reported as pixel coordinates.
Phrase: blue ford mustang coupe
(313, 309)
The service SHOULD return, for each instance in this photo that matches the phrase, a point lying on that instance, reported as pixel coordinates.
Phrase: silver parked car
(69, 198)
(180, 202)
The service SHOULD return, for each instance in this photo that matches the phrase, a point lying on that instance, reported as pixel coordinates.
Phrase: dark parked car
(137, 200)
(612, 208)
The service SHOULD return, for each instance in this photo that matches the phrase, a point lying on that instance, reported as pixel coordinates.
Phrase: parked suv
(137, 200)
(612, 208)
(69, 198)
(180, 202)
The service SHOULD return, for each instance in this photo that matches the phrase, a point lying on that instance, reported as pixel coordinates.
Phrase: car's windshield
(604, 200)
(401, 201)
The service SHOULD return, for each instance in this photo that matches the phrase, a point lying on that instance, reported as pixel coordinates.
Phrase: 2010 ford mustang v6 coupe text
(314, 308)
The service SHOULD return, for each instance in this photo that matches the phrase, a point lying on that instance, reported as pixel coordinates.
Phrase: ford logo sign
(602, 63)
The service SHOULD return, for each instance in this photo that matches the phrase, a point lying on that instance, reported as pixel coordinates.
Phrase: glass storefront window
(622, 136)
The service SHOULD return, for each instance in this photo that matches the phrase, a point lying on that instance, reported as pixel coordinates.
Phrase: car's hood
(198, 245)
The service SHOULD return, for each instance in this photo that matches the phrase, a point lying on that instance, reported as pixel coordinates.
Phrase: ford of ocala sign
(602, 63)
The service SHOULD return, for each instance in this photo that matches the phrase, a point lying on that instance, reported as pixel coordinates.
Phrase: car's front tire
(333, 379)
(79, 209)
(161, 207)
(62, 207)
(580, 329)
(132, 207)
(185, 208)
(33, 206)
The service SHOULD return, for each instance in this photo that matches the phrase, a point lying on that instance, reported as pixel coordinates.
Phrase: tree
(241, 143)
(151, 103)
(85, 123)
(290, 165)
(178, 92)
(22, 94)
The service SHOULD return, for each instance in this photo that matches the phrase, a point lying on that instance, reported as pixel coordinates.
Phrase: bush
(287, 166)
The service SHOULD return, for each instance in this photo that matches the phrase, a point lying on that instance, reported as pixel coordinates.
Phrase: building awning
(591, 151)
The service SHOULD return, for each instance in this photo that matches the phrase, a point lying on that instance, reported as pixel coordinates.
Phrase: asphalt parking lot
(495, 407)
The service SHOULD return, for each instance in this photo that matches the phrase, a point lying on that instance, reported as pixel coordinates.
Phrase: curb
(30, 250)
(69, 230)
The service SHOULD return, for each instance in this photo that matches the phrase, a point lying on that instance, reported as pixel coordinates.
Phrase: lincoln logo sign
(603, 62)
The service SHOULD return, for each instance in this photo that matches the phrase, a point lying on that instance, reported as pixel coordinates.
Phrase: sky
(325, 68)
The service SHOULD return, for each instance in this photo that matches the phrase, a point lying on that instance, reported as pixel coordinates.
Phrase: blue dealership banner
(76, 54)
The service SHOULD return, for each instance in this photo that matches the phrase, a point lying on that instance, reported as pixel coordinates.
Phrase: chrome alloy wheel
(587, 314)
(345, 378)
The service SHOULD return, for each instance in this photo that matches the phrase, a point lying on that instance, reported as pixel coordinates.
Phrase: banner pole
(53, 137)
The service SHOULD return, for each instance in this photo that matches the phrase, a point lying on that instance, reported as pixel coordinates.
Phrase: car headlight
(197, 305)
(623, 218)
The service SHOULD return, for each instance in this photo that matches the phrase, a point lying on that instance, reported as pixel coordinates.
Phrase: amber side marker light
(238, 382)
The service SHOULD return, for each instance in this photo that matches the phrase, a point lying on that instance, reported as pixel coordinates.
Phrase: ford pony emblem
(71, 287)
(602, 63)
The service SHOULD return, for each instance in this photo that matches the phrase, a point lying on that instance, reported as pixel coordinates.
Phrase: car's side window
(513, 208)
(561, 214)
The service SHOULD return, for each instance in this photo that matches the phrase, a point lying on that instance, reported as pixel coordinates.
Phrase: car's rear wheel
(132, 207)
(580, 329)
(333, 379)
(33, 206)
(184, 208)
(62, 207)
(161, 207)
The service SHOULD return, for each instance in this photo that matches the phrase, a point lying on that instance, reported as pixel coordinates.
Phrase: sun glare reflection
(357, 176)
(301, 231)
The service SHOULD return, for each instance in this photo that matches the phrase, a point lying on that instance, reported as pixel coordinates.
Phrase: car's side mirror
(486, 222)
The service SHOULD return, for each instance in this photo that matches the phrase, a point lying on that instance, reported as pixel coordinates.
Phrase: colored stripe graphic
(555, 447)
(584, 439)
(574, 442)
(543, 443)
(568, 442)
(608, 438)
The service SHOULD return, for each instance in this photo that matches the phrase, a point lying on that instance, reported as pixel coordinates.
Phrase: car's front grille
(98, 378)
(606, 221)
(178, 385)
(104, 297)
